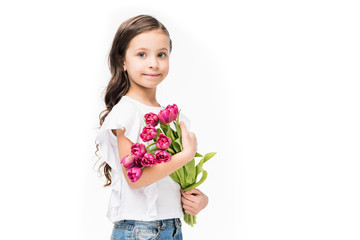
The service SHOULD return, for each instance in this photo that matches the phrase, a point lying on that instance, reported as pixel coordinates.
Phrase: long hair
(119, 83)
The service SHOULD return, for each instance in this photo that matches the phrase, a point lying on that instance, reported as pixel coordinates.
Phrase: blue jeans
(146, 230)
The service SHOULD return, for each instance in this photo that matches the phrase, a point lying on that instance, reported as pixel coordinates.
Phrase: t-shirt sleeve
(123, 115)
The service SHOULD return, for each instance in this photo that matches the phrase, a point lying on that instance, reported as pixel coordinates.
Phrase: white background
(272, 86)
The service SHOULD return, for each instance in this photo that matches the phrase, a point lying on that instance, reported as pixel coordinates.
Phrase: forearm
(159, 171)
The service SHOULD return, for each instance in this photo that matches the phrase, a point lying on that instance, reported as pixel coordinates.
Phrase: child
(150, 207)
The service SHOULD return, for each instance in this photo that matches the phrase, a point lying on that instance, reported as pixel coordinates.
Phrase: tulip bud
(148, 133)
(134, 173)
(163, 142)
(128, 161)
(138, 150)
(151, 119)
(162, 156)
(148, 160)
(169, 114)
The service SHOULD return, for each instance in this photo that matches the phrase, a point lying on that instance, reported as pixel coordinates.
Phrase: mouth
(152, 74)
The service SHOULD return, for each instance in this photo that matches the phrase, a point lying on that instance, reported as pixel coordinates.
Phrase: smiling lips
(152, 74)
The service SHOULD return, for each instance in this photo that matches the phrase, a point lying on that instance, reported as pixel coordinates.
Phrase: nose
(153, 63)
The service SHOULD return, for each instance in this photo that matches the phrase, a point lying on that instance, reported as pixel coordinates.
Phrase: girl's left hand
(194, 201)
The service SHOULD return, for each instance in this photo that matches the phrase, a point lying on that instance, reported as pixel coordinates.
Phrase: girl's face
(147, 58)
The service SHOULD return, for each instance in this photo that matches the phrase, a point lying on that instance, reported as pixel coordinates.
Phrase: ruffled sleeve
(123, 115)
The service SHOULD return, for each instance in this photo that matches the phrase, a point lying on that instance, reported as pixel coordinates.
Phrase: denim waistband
(160, 224)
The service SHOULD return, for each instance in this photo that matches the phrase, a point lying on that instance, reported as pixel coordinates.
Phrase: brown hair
(119, 83)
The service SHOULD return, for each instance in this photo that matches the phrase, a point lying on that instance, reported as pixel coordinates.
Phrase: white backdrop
(272, 86)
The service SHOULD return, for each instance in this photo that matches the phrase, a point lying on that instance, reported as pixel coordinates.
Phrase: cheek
(165, 67)
(135, 68)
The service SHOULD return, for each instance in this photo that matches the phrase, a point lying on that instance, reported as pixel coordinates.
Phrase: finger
(183, 128)
(190, 197)
(187, 202)
(191, 211)
(194, 191)
(193, 198)
(183, 194)
(188, 211)
(189, 208)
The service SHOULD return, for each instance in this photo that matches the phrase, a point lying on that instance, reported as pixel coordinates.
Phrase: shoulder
(123, 114)
(124, 109)
(124, 105)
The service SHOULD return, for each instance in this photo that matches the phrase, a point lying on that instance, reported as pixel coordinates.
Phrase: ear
(122, 62)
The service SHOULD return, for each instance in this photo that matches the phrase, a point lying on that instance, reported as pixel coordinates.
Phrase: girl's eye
(142, 55)
(162, 55)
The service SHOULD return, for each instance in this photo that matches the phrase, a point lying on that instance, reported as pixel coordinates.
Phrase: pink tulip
(162, 156)
(134, 173)
(128, 161)
(138, 150)
(151, 119)
(138, 162)
(163, 142)
(148, 160)
(148, 133)
(169, 114)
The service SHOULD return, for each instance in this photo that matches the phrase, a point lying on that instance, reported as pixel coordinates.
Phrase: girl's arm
(159, 171)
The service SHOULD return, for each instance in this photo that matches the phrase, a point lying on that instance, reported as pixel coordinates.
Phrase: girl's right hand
(189, 142)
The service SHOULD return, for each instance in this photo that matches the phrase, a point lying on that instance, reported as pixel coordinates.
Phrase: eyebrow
(148, 49)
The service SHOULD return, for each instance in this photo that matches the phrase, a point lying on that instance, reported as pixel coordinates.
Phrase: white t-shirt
(157, 201)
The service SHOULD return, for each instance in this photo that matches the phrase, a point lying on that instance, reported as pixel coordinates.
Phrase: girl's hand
(189, 142)
(194, 201)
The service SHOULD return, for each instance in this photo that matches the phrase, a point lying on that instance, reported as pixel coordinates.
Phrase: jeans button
(159, 227)
(136, 230)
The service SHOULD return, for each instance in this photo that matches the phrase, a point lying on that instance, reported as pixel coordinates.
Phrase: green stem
(153, 150)
(171, 151)
(190, 219)
(150, 145)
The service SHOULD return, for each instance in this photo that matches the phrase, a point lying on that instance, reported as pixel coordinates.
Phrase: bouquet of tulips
(167, 142)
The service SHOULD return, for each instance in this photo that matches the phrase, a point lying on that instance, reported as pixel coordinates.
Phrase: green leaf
(176, 147)
(199, 169)
(174, 176)
(190, 171)
(164, 127)
(195, 185)
(170, 134)
(177, 141)
(198, 155)
(181, 176)
(178, 117)
(158, 130)
(174, 133)
(208, 156)
(171, 151)
(201, 162)
(178, 130)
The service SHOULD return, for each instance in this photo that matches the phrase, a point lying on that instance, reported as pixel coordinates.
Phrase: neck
(145, 96)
